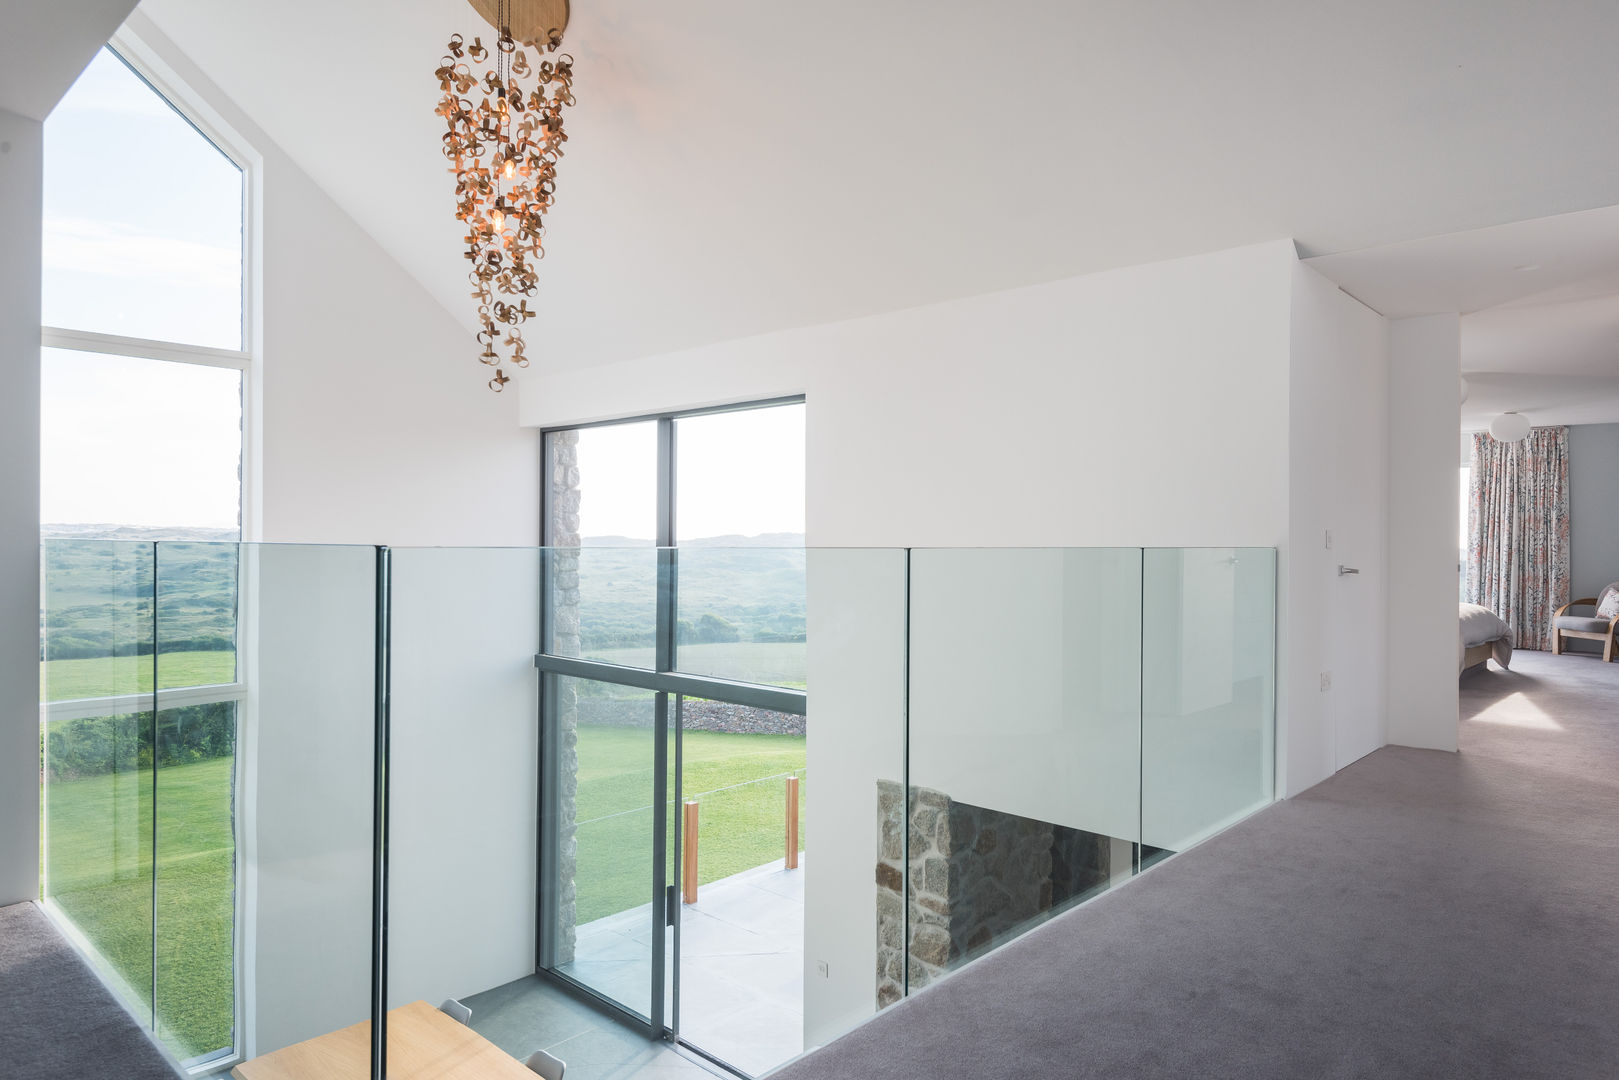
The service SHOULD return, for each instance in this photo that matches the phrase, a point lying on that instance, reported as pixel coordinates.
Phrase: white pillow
(1608, 603)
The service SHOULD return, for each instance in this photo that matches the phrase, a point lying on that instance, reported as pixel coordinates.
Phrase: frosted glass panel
(462, 777)
(1024, 740)
(1208, 690)
(305, 809)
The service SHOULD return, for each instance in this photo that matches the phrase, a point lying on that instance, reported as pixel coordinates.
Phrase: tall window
(144, 358)
(144, 366)
(675, 679)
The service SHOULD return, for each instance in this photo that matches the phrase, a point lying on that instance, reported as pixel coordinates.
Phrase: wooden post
(689, 871)
(792, 823)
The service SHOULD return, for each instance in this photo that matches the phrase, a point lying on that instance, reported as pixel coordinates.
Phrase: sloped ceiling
(736, 166)
(49, 45)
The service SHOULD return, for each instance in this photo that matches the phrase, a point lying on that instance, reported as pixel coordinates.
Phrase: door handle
(1344, 571)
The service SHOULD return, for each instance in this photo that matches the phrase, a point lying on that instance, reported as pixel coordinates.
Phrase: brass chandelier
(503, 151)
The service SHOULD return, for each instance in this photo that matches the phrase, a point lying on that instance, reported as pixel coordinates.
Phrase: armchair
(1597, 625)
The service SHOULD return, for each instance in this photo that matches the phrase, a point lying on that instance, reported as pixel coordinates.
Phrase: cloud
(112, 249)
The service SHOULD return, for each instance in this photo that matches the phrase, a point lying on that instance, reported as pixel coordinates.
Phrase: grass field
(771, 663)
(739, 827)
(98, 856)
(99, 866)
(108, 676)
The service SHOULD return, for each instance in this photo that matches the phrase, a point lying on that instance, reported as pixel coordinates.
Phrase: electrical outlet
(822, 967)
(1329, 539)
(1326, 680)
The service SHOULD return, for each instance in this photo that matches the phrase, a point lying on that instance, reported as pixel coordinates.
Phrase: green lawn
(772, 663)
(738, 828)
(108, 676)
(98, 857)
(99, 863)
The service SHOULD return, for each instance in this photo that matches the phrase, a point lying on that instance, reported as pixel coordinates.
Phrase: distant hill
(772, 540)
(136, 532)
(98, 592)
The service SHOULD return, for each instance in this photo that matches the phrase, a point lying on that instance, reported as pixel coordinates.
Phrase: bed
(1483, 635)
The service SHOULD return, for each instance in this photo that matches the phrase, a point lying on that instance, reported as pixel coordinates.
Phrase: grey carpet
(1421, 914)
(57, 1022)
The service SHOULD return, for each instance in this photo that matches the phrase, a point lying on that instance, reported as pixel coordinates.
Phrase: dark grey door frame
(665, 682)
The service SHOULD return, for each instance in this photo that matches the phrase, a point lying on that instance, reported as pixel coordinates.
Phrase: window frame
(670, 687)
(667, 464)
(160, 77)
(144, 62)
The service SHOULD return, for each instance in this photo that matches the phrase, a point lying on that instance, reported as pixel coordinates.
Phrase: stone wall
(976, 876)
(564, 584)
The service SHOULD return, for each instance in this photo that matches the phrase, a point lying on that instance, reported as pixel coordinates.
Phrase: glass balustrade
(590, 769)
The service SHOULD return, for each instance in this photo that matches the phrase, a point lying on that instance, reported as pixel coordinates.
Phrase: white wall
(983, 421)
(1424, 416)
(21, 165)
(1144, 406)
(464, 767)
(1339, 484)
(375, 423)
(1593, 495)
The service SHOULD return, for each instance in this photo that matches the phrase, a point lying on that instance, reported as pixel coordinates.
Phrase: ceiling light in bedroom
(503, 142)
(1510, 427)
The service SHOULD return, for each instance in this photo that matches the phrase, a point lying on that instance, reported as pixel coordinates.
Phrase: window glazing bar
(56, 337)
(751, 695)
(660, 856)
(178, 698)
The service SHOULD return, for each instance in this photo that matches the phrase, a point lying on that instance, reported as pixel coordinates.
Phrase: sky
(737, 473)
(130, 441)
(150, 249)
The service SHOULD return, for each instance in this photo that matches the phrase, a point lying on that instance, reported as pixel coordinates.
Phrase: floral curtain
(1517, 529)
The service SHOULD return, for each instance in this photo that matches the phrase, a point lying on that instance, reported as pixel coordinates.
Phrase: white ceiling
(734, 168)
(49, 46)
(1540, 310)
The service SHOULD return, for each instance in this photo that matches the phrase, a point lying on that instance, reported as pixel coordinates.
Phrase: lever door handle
(1343, 570)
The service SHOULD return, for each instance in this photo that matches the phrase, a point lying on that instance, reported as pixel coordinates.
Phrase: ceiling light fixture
(1510, 427)
(503, 152)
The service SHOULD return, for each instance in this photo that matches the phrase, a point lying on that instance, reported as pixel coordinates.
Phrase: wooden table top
(423, 1044)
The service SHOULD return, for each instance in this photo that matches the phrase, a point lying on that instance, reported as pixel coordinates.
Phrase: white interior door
(1354, 705)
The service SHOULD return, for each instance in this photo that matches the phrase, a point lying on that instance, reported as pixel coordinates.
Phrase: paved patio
(741, 992)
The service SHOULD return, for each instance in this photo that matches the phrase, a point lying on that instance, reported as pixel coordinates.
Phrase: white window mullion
(55, 337)
(121, 704)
